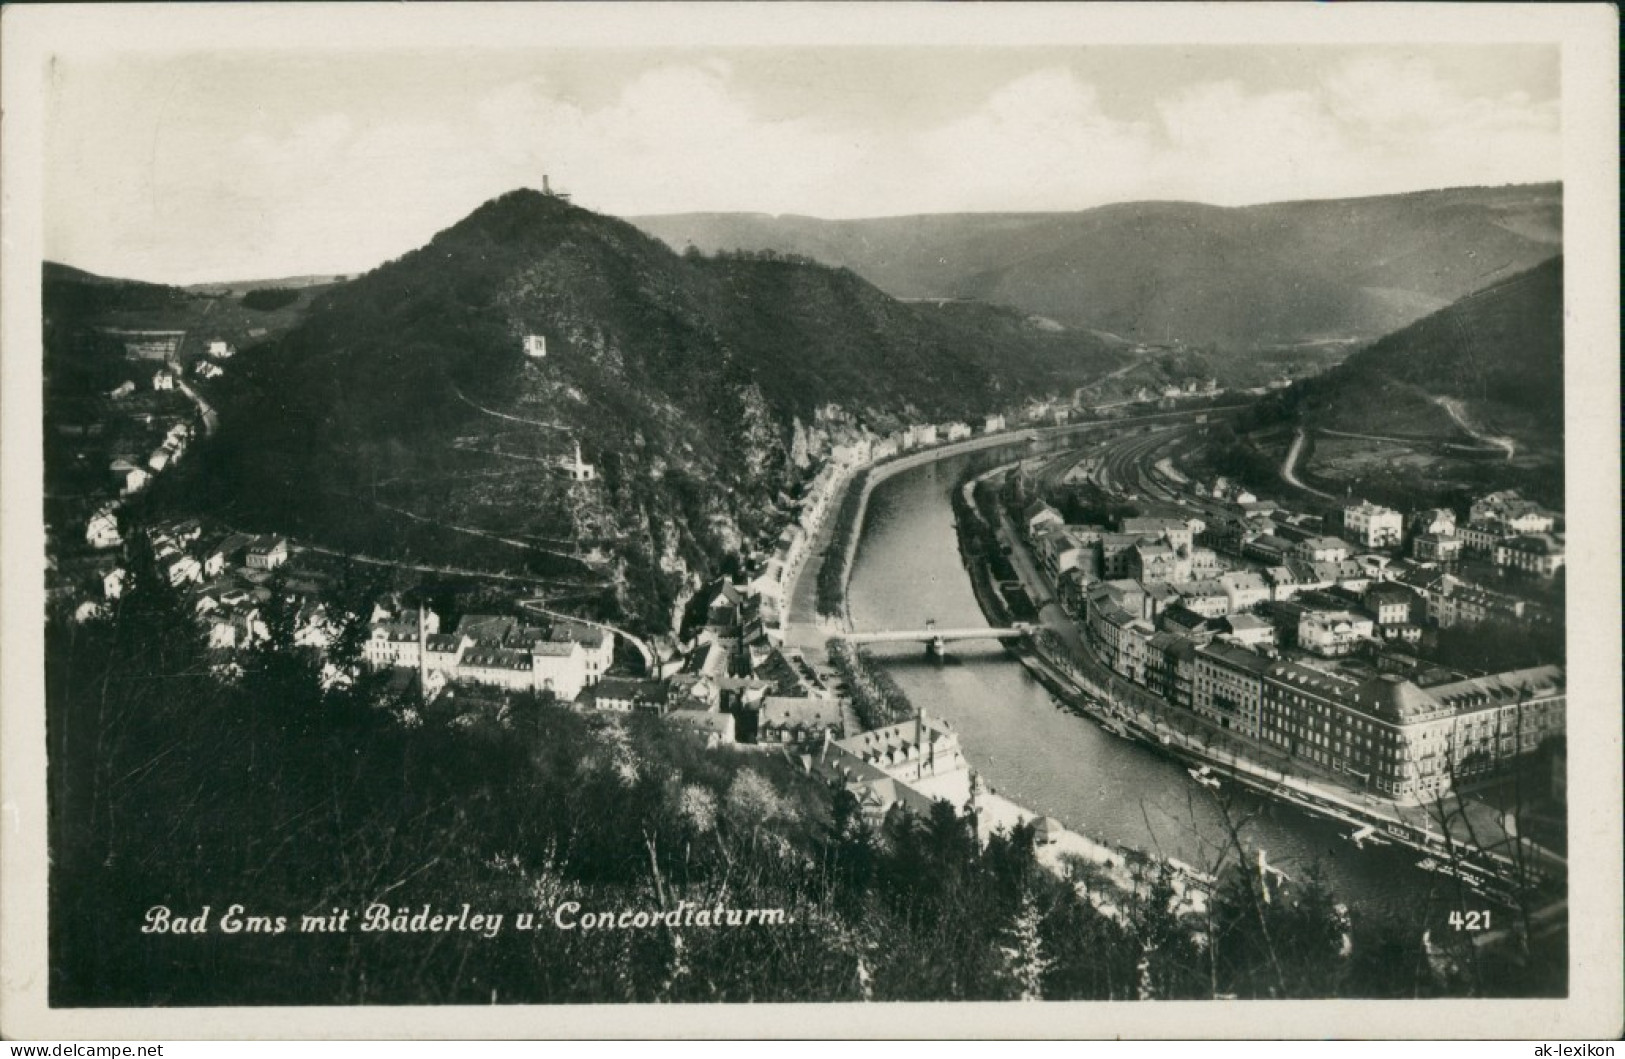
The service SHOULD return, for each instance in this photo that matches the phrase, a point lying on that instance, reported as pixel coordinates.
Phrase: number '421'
(1477, 920)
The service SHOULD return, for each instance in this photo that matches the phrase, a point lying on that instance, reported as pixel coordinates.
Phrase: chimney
(423, 657)
(546, 190)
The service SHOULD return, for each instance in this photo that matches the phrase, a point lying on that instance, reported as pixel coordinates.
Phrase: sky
(232, 165)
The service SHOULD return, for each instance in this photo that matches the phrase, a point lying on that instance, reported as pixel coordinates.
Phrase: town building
(163, 379)
(910, 751)
(443, 652)
(1283, 581)
(722, 613)
(536, 346)
(1535, 553)
(398, 641)
(1152, 560)
(1205, 596)
(1244, 589)
(183, 569)
(129, 477)
(1512, 510)
(102, 530)
(1333, 633)
(1322, 549)
(1451, 601)
(1177, 532)
(1480, 536)
(1372, 525)
(1170, 669)
(1437, 547)
(1403, 741)
(854, 453)
(1228, 686)
(624, 695)
(1117, 557)
(1248, 630)
(800, 722)
(993, 424)
(920, 435)
(1392, 604)
(1439, 521)
(714, 727)
(1039, 514)
(266, 553)
(505, 668)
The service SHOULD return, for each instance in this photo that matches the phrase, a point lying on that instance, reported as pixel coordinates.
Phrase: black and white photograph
(549, 507)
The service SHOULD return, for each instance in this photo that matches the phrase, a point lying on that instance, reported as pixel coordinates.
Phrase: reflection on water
(1027, 747)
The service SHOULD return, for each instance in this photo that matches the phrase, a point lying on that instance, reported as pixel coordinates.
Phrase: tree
(1025, 962)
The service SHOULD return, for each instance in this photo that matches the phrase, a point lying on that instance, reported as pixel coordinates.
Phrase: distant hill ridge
(1497, 353)
(1182, 271)
(690, 383)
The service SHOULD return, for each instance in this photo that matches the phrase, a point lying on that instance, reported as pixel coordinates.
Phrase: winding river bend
(1025, 746)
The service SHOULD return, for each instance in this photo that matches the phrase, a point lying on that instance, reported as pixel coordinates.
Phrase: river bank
(1466, 839)
(1112, 875)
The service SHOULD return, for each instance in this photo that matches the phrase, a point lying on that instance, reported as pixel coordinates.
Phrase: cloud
(1245, 147)
(1038, 142)
(677, 137)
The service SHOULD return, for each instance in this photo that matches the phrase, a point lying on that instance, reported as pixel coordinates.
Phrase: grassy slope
(1155, 271)
(1500, 351)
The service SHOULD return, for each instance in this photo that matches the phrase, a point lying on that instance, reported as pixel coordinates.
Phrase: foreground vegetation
(170, 787)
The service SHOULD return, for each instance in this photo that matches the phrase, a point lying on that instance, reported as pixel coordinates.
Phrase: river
(1025, 746)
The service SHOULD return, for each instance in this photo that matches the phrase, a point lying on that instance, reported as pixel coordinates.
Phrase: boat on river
(1205, 777)
(1368, 836)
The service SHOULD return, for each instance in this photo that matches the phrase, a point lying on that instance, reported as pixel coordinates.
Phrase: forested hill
(404, 403)
(1496, 355)
(72, 295)
(1182, 271)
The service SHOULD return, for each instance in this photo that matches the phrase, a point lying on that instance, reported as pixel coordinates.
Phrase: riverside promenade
(1460, 827)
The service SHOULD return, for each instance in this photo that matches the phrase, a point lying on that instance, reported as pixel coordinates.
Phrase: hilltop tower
(547, 189)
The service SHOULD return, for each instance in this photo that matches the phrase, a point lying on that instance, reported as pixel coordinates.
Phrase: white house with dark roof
(1322, 549)
(102, 530)
(1333, 632)
(909, 751)
(266, 553)
(798, 721)
(129, 477)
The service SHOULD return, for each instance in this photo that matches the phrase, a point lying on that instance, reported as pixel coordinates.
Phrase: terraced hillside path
(1458, 412)
(1289, 465)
